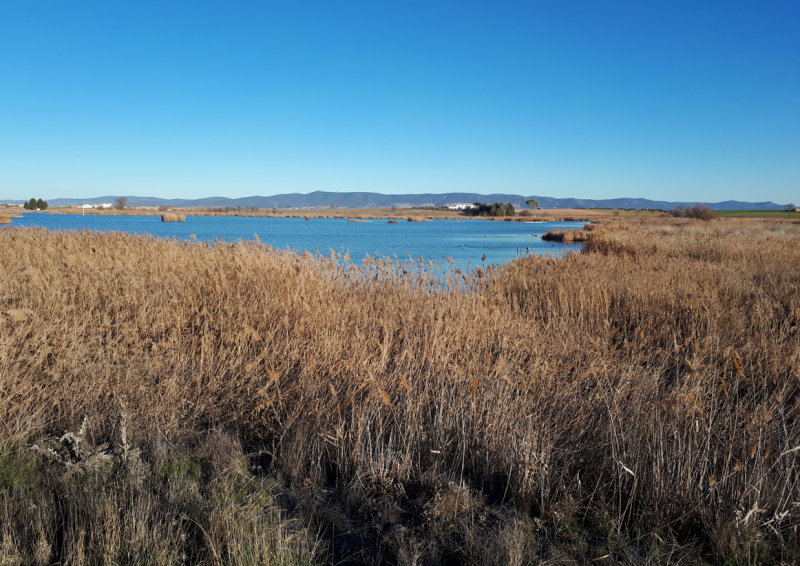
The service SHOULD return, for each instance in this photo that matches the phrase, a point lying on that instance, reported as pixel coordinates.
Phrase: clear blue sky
(678, 100)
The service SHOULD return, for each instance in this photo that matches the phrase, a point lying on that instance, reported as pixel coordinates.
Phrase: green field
(758, 213)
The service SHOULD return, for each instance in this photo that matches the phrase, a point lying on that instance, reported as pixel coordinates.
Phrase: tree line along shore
(430, 213)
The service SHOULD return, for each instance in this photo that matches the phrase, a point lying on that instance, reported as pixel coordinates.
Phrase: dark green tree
(532, 203)
(494, 209)
(41, 204)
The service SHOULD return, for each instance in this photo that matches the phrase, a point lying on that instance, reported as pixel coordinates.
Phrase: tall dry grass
(643, 392)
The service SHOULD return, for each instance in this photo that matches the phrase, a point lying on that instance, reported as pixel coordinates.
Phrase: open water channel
(469, 242)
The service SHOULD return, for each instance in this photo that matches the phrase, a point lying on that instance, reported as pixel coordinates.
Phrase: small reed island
(169, 217)
(569, 236)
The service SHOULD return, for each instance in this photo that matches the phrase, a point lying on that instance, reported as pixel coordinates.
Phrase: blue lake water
(467, 242)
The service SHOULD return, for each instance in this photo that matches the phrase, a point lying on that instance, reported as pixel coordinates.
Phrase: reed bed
(169, 217)
(566, 236)
(635, 402)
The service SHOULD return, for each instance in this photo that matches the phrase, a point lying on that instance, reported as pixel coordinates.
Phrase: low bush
(699, 211)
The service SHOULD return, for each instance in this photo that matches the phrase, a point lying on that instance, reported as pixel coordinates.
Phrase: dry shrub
(647, 385)
(698, 211)
(4, 219)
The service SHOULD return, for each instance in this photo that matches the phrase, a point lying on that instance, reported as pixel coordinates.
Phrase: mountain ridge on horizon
(323, 199)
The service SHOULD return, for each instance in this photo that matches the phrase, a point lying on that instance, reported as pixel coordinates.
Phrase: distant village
(100, 205)
(85, 205)
(458, 205)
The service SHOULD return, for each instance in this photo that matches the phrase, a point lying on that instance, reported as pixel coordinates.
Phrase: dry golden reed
(169, 217)
(630, 381)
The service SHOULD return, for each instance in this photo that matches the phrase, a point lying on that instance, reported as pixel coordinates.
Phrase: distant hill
(322, 199)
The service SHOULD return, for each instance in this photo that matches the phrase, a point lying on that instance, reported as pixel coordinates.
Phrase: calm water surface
(466, 241)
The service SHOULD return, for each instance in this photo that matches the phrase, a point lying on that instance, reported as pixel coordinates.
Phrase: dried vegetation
(170, 217)
(637, 402)
(566, 236)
